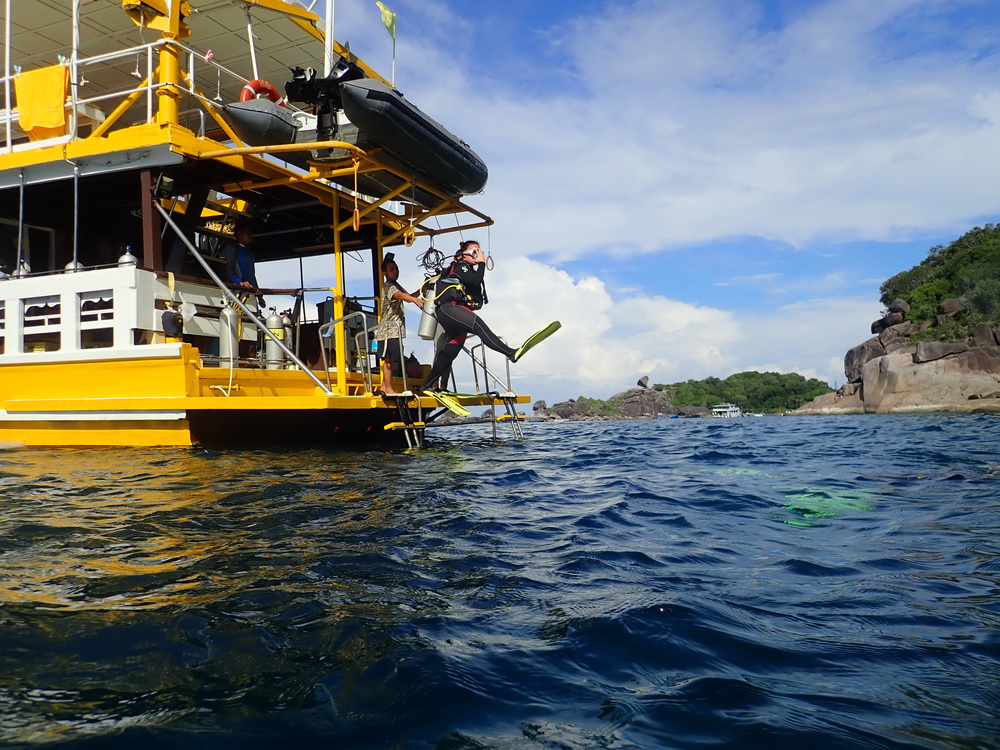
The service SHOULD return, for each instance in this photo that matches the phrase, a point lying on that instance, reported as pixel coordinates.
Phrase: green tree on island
(968, 269)
(751, 391)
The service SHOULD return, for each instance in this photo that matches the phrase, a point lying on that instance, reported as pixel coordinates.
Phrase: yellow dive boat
(134, 135)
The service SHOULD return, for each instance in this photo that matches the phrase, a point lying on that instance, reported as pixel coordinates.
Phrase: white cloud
(605, 344)
(815, 331)
(688, 124)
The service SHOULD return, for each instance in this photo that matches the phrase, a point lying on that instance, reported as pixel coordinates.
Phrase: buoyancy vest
(461, 284)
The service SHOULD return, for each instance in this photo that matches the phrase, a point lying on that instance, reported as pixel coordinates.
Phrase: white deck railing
(73, 312)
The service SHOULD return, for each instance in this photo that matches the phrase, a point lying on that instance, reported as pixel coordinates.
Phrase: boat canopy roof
(285, 34)
(297, 203)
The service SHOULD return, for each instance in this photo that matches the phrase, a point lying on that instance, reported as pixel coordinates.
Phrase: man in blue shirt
(241, 260)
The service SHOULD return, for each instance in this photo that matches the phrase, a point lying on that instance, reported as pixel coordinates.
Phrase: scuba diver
(460, 291)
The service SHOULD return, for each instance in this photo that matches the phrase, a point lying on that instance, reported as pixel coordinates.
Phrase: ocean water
(821, 582)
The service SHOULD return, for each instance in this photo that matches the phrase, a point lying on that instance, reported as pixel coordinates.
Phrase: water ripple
(659, 583)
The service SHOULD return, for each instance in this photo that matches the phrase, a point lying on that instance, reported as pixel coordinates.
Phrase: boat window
(97, 314)
(41, 320)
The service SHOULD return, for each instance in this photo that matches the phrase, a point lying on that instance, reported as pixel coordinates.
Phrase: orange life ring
(260, 88)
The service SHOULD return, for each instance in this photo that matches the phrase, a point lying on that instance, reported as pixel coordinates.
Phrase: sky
(700, 188)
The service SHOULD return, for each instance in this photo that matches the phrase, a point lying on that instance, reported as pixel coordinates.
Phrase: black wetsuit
(461, 291)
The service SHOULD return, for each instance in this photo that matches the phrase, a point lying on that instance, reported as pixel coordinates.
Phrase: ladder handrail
(329, 325)
(476, 363)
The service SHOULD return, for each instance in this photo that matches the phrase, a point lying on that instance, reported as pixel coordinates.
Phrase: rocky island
(937, 346)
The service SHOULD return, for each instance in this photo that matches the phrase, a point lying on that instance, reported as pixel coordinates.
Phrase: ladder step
(402, 425)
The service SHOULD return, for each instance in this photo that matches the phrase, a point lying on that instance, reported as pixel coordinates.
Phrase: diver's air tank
(229, 326)
(428, 323)
(286, 321)
(126, 258)
(272, 351)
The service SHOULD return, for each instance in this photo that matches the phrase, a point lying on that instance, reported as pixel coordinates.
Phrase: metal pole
(328, 34)
(20, 225)
(6, 73)
(340, 332)
(73, 74)
(253, 51)
(498, 380)
(76, 213)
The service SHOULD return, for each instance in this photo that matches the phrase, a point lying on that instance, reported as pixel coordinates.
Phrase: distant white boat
(726, 410)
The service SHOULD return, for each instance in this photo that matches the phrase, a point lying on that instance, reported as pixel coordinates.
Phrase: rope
(432, 261)
(253, 52)
(356, 221)
(489, 249)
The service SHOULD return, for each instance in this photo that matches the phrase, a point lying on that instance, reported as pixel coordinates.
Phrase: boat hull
(170, 399)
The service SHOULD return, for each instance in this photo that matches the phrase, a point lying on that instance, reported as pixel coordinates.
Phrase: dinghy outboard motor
(322, 93)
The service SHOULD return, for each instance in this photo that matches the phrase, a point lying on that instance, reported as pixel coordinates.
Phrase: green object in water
(740, 472)
(826, 503)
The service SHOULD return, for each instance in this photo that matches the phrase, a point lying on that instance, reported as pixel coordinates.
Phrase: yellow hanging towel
(41, 101)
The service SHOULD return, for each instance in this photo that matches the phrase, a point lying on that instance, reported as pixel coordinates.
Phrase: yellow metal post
(340, 330)
(167, 17)
(169, 93)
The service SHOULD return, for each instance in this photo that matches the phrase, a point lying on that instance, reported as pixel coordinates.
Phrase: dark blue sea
(779, 582)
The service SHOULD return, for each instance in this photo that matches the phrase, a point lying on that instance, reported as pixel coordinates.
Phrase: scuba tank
(126, 258)
(273, 354)
(428, 323)
(286, 322)
(229, 321)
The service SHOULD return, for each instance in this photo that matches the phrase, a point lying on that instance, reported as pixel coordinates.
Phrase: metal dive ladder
(413, 429)
(506, 397)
